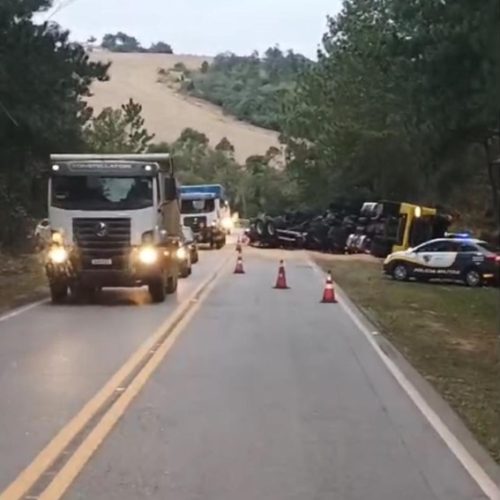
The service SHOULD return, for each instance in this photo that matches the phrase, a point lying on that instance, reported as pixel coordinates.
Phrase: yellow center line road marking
(174, 324)
(63, 480)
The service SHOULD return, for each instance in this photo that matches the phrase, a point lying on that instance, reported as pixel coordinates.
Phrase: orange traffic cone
(281, 281)
(238, 245)
(239, 266)
(329, 292)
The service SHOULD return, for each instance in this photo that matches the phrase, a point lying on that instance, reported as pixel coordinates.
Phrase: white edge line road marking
(21, 310)
(484, 481)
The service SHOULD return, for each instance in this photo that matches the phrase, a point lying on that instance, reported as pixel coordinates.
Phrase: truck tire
(171, 284)
(260, 228)
(194, 257)
(270, 229)
(185, 271)
(58, 292)
(157, 290)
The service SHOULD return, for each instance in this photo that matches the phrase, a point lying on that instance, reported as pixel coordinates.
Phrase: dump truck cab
(115, 222)
(403, 225)
(206, 211)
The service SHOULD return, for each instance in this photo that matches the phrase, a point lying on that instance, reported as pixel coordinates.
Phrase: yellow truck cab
(406, 225)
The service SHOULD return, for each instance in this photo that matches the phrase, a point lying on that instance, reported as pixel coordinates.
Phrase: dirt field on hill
(166, 112)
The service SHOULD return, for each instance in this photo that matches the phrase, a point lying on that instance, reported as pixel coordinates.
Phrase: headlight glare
(58, 255)
(181, 253)
(148, 255)
(227, 223)
(57, 238)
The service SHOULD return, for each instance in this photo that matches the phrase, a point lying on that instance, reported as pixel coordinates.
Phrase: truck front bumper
(133, 273)
(210, 235)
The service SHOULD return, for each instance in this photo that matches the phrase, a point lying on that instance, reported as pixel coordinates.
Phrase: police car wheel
(400, 272)
(473, 278)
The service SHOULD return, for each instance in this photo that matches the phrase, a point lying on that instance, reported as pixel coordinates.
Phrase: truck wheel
(172, 284)
(58, 292)
(270, 229)
(185, 271)
(260, 227)
(157, 290)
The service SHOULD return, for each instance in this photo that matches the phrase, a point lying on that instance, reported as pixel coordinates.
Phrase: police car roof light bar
(459, 235)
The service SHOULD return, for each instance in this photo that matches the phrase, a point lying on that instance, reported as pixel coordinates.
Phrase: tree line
(252, 88)
(121, 42)
(253, 187)
(403, 103)
(44, 80)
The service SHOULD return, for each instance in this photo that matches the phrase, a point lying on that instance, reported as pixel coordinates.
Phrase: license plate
(101, 262)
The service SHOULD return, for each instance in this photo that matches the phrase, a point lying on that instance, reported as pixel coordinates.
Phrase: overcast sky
(203, 27)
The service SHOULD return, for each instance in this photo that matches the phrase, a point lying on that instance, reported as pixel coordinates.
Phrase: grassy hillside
(168, 113)
(252, 88)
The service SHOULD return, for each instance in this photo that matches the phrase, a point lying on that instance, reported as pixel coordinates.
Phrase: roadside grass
(22, 280)
(448, 332)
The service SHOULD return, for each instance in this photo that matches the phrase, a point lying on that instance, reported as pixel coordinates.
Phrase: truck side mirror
(170, 188)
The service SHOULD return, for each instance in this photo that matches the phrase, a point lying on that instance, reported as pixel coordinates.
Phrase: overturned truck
(378, 228)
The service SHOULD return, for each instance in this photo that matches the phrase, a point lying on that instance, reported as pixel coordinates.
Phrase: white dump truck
(115, 222)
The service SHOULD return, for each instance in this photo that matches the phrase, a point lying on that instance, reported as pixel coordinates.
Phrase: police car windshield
(81, 192)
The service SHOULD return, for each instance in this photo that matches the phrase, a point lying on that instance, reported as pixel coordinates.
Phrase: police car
(454, 258)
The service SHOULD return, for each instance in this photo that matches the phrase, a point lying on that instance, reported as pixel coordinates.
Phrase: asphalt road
(53, 359)
(265, 394)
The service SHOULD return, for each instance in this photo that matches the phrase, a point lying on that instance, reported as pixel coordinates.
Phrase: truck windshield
(101, 193)
(197, 206)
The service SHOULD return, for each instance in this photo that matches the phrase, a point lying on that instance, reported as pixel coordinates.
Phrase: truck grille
(99, 240)
(196, 222)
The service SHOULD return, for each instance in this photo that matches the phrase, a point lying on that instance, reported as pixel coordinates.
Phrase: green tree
(44, 81)
(251, 188)
(249, 87)
(180, 66)
(190, 135)
(225, 146)
(118, 131)
(204, 67)
(401, 95)
(161, 48)
(121, 42)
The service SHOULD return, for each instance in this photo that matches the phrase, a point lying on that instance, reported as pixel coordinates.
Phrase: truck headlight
(57, 237)
(58, 255)
(148, 255)
(181, 253)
